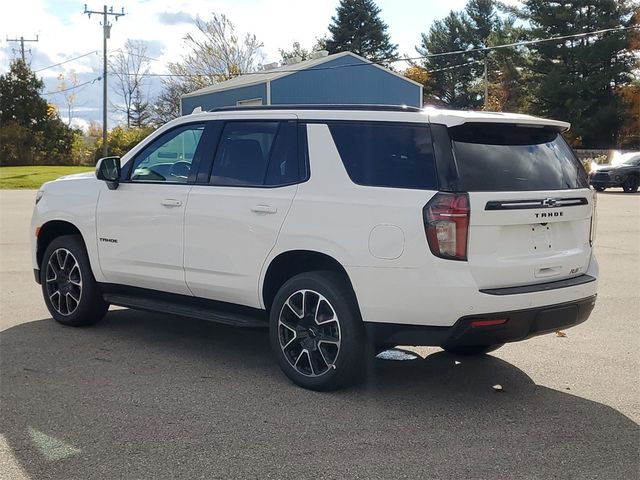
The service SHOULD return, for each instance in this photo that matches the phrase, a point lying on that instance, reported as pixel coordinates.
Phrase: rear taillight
(446, 222)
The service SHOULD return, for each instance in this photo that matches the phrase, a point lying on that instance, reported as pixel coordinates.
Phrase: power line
(526, 42)
(422, 57)
(74, 86)
(66, 61)
(22, 40)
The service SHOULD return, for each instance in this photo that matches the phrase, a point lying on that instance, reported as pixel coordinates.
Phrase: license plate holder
(541, 235)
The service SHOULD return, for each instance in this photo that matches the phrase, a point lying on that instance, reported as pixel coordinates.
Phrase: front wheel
(69, 289)
(631, 184)
(471, 350)
(316, 331)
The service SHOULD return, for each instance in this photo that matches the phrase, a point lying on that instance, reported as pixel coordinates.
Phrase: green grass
(33, 177)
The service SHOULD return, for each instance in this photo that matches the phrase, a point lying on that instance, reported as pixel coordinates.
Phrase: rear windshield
(498, 157)
(386, 154)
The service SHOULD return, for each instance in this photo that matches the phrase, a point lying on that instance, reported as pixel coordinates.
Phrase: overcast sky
(64, 32)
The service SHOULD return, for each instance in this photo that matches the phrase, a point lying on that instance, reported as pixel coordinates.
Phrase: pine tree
(20, 100)
(457, 80)
(357, 28)
(576, 80)
(450, 76)
(30, 129)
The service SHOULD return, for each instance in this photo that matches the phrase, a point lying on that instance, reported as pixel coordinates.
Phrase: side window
(256, 154)
(169, 157)
(386, 154)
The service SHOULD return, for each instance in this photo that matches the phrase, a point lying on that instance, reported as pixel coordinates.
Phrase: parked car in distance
(343, 229)
(625, 174)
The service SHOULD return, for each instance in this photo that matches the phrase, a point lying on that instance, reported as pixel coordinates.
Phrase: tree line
(591, 81)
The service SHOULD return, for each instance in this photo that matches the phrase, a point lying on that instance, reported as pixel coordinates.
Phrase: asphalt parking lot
(145, 395)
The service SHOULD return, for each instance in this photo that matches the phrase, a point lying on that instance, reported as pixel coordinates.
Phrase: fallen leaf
(560, 333)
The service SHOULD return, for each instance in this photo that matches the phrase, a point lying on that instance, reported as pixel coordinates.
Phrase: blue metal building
(343, 78)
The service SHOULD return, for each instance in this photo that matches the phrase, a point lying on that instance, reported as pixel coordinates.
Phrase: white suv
(344, 229)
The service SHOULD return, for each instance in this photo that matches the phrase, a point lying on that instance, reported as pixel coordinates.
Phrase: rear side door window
(385, 154)
(256, 154)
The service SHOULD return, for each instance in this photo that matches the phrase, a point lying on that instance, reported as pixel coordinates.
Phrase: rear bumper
(436, 297)
(519, 325)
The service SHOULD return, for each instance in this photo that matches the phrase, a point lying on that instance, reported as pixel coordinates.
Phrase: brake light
(446, 223)
(488, 323)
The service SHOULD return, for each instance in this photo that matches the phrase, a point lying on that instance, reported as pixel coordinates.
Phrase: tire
(69, 289)
(316, 332)
(631, 184)
(471, 350)
(599, 189)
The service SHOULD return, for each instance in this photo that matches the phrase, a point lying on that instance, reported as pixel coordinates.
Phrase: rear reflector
(37, 231)
(446, 223)
(488, 323)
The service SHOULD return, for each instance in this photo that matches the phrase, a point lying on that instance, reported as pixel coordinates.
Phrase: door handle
(170, 202)
(263, 209)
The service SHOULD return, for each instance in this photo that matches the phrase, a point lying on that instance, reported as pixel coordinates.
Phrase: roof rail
(292, 106)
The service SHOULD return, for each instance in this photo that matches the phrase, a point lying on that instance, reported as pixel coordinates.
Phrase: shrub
(121, 139)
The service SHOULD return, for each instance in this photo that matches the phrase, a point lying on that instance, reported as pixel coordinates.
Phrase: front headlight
(39, 195)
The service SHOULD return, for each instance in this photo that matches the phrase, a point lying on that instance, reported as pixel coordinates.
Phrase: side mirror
(108, 170)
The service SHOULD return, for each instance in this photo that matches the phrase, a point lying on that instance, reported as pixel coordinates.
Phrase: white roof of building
(263, 76)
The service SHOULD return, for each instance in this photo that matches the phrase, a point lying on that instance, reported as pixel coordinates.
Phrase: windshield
(504, 157)
(632, 161)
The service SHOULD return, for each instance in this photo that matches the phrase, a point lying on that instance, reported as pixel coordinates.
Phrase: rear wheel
(631, 184)
(470, 350)
(69, 289)
(316, 331)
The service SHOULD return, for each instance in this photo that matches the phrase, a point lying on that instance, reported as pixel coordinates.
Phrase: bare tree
(215, 54)
(129, 66)
(67, 88)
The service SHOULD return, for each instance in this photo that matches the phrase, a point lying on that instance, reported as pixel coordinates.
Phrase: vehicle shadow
(142, 395)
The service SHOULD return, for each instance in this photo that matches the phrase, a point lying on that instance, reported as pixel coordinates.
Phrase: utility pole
(106, 34)
(486, 83)
(22, 40)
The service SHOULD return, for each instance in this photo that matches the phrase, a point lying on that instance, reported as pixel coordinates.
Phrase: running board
(172, 308)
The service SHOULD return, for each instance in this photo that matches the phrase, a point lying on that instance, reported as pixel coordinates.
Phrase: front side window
(386, 154)
(168, 158)
(256, 154)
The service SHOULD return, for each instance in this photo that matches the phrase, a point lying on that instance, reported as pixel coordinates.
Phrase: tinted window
(633, 161)
(386, 154)
(256, 154)
(169, 157)
(495, 157)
